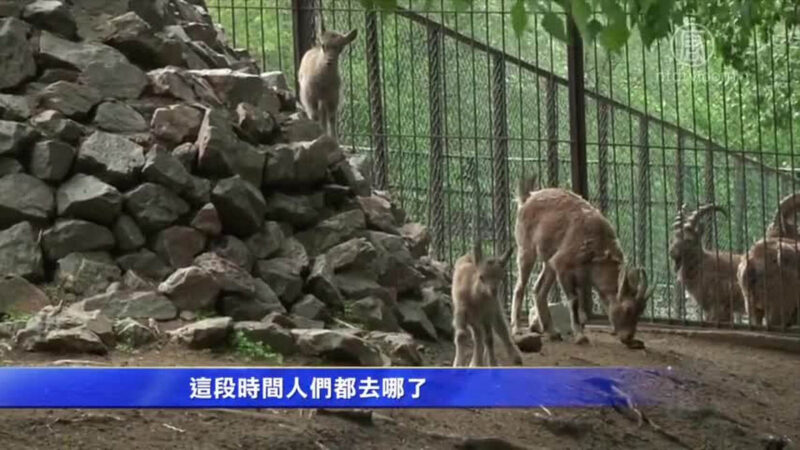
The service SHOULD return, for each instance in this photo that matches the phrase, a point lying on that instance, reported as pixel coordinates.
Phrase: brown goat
(577, 245)
(476, 282)
(769, 274)
(318, 77)
(708, 275)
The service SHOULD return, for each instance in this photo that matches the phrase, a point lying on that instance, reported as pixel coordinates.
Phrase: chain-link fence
(454, 110)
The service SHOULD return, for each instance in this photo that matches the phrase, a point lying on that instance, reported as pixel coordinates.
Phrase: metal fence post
(500, 194)
(436, 186)
(303, 12)
(708, 180)
(602, 155)
(380, 173)
(551, 118)
(679, 180)
(643, 162)
(740, 205)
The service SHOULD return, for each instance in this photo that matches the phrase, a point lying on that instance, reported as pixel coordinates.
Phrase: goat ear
(351, 36)
(506, 256)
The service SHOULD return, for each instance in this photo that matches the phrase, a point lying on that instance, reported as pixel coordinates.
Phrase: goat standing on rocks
(476, 282)
(769, 274)
(319, 79)
(708, 275)
(577, 245)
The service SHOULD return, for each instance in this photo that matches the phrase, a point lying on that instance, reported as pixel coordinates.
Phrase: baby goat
(577, 245)
(708, 275)
(769, 274)
(319, 80)
(476, 306)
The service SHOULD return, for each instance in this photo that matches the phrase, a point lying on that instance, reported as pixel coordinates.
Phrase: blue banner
(283, 387)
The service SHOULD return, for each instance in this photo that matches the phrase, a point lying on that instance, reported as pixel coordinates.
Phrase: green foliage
(252, 350)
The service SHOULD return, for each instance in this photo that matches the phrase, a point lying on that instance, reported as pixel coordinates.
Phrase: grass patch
(252, 350)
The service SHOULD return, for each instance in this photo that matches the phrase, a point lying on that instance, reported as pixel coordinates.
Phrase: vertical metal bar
(551, 105)
(708, 180)
(577, 112)
(602, 155)
(500, 195)
(303, 21)
(740, 206)
(380, 170)
(643, 161)
(436, 187)
(680, 292)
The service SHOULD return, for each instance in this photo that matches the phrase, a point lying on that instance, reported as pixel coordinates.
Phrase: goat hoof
(634, 344)
(581, 339)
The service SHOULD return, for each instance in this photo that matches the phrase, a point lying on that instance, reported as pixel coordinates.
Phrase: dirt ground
(722, 397)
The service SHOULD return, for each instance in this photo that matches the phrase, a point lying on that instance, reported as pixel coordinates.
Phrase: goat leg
(460, 339)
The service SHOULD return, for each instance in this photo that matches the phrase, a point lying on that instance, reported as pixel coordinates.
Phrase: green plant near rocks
(252, 350)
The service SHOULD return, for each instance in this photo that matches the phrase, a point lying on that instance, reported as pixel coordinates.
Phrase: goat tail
(526, 186)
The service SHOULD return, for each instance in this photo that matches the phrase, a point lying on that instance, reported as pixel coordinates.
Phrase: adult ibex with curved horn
(769, 274)
(577, 244)
(708, 275)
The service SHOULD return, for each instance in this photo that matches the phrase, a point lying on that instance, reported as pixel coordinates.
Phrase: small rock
(127, 234)
(136, 39)
(292, 250)
(117, 117)
(176, 124)
(298, 210)
(86, 273)
(20, 296)
(51, 160)
(234, 250)
(240, 205)
(163, 168)
(413, 319)
(20, 253)
(374, 314)
(14, 137)
(306, 323)
(310, 307)
(71, 99)
(52, 124)
(154, 207)
(418, 238)
(357, 285)
(399, 346)
(234, 88)
(332, 231)
(186, 154)
(275, 80)
(256, 307)
(267, 242)
(282, 277)
(222, 154)
(191, 288)
(132, 333)
(378, 213)
(257, 126)
(279, 166)
(15, 107)
(298, 129)
(23, 197)
(357, 254)
(175, 82)
(277, 338)
(87, 197)
(205, 333)
(231, 278)
(111, 158)
(320, 282)
(343, 172)
(338, 346)
(439, 309)
(51, 15)
(529, 343)
(15, 52)
(133, 304)
(135, 282)
(72, 340)
(178, 245)
(114, 78)
(71, 236)
(207, 221)
(311, 159)
(146, 263)
(9, 166)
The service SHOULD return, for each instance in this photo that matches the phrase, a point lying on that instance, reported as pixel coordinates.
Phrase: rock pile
(150, 171)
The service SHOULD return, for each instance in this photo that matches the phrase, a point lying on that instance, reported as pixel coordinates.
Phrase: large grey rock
(206, 333)
(374, 314)
(154, 207)
(439, 308)
(71, 340)
(254, 124)
(279, 166)
(234, 250)
(59, 52)
(357, 255)
(275, 80)
(135, 282)
(9, 166)
(177, 83)
(199, 193)
(397, 269)
(417, 237)
(378, 213)
(20, 253)
(14, 137)
(292, 250)
(321, 283)
(20, 296)
(298, 210)
(52, 75)
(339, 346)
(282, 276)
(163, 168)
(127, 234)
(71, 236)
(71, 99)
(222, 154)
(357, 285)
(138, 41)
(23, 197)
(298, 128)
(344, 173)
(400, 347)
(332, 231)
(145, 263)
(191, 289)
(114, 78)
(18, 62)
(117, 117)
(176, 123)
(133, 304)
(15, 107)
(240, 205)
(87, 273)
(414, 320)
(266, 242)
(230, 277)
(52, 124)
(178, 245)
(241, 307)
(87, 197)
(51, 15)
(66, 329)
(114, 159)
(132, 333)
(274, 336)
(310, 307)
(207, 220)
(234, 87)
(187, 155)
(51, 160)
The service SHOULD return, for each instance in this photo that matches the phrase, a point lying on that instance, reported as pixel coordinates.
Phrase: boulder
(282, 276)
(9, 166)
(186, 154)
(86, 273)
(154, 207)
(234, 87)
(339, 346)
(15, 137)
(20, 253)
(114, 78)
(191, 288)
(72, 235)
(112, 158)
(254, 124)
(127, 234)
(145, 263)
(279, 166)
(207, 333)
(20, 296)
(71, 340)
(51, 160)
(310, 307)
(439, 308)
(398, 269)
(163, 168)
(178, 245)
(24, 198)
(356, 285)
(222, 154)
(400, 347)
(15, 107)
(256, 307)
(135, 282)
(240, 205)
(320, 282)
(298, 210)
(234, 250)
(15, 52)
(266, 242)
(199, 193)
(374, 314)
(70, 99)
(133, 333)
(413, 319)
(292, 250)
(332, 231)
(51, 15)
(275, 80)
(87, 197)
(137, 40)
(52, 124)
(231, 278)
(417, 237)
(355, 255)
(274, 336)
(378, 212)
(118, 117)
(207, 220)
(176, 124)
(298, 128)
(133, 304)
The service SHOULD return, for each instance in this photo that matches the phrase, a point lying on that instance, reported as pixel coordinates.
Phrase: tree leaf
(614, 36)
(519, 17)
(580, 12)
(554, 25)
(593, 28)
(462, 5)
